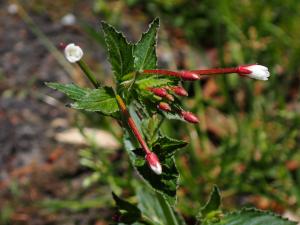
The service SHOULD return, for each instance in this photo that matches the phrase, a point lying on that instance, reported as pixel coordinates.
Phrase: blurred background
(59, 166)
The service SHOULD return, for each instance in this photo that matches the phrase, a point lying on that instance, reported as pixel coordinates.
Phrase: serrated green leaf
(98, 100)
(210, 211)
(165, 183)
(154, 207)
(153, 81)
(145, 49)
(73, 91)
(119, 51)
(166, 147)
(129, 212)
(253, 217)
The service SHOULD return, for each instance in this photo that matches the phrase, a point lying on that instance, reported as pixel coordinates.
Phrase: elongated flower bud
(170, 97)
(161, 92)
(73, 53)
(153, 163)
(164, 106)
(179, 91)
(189, 117)
(188, 75)
(258, 72)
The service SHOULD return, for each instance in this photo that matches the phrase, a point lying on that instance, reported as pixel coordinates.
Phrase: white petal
(258, 72)
(156, 168)
(73, 53)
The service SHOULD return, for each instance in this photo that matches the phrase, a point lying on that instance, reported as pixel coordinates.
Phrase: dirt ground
(33, 166)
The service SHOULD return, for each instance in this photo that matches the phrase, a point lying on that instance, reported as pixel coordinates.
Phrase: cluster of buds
(163, 92)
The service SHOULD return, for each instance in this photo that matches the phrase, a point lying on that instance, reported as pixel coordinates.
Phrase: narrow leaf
(129, 212)
(73, 91)
(154, 206)
(253, 217)
(145, 49)
(98, 100)
(211, 208)
(119, 51)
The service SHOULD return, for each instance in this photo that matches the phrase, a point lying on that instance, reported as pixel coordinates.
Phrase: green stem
(89, 74)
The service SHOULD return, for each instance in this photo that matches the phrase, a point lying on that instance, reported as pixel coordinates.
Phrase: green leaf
(210, 211)
(166, 147)
(165, 183)
(154, 81)
(98, 100)
(145, 49)
(119, 51)
(253, 217)
(129, 212)
(73, 91)
(156, 208)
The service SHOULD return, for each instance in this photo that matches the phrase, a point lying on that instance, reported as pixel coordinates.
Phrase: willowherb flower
(153, 162)
(73, 53)
(258, 72)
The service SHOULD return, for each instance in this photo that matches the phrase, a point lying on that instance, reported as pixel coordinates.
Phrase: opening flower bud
(189, 117)
(258, 72)
(73, 53)
(154, 163)
(164, 106)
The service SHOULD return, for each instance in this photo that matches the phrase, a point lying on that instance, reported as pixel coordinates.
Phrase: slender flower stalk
(88, 73)
(216, 71)
(73, 54)
(253, 71)
(150, 157)
(185, 75)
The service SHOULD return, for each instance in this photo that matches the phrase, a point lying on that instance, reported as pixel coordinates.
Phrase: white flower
(12, 9)
(68, 19)
(154, 163)
(73, 53)
(258, 72)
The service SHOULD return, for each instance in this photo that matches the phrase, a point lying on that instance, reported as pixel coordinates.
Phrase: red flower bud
(188, 75)
(161, 92)
(189, 117)
(153, 163)
(179, 91)
(164, 106)
(170, 97)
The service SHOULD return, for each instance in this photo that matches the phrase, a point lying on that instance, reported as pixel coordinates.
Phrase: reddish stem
(163, 72)
(216, 71)
(132, 125)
